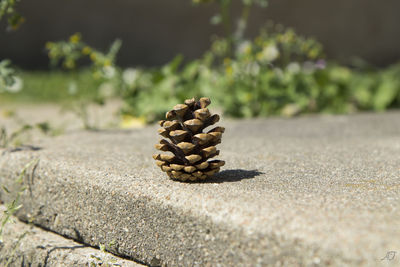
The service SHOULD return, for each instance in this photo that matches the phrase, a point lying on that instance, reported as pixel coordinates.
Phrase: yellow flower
(49, 45)
(244, 48)
(93, 56)
(129, 121)
(86, 50)
(8, 113)
(75, 38)
(69, 64)
(227, 60)
(259, 56)
(229, 70)
(107, 63)
(313, 53)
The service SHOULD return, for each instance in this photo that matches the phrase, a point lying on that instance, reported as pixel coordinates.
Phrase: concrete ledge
(307, 191)
(27, 245)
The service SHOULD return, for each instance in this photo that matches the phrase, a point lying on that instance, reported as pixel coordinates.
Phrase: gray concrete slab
(319, 190)
(28, 245)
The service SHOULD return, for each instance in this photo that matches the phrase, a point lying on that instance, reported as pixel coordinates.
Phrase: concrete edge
(144, 230)
(28, 245)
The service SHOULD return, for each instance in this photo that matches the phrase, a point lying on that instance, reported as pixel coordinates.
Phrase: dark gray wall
(153, 31)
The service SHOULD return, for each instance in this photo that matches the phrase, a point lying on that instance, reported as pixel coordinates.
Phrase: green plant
(16, 137)
(9, 81)
(7, 9)
(244, 77)
(71, 51)
(103, 260)
(8, 139)
(14, 250)
(277, 73)
(14, 206)
(263, 77)
(105, 73)
(224, 17)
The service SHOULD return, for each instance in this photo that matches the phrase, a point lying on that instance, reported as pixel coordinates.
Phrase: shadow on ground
(57, 248)
(234, 175)
(21, 148)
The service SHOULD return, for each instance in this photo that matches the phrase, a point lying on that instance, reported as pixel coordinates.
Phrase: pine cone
(190, 147)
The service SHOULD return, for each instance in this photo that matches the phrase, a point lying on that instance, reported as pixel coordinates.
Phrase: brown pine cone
(191, 148)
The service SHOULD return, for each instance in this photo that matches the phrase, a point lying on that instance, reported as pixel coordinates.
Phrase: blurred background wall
(154, 31)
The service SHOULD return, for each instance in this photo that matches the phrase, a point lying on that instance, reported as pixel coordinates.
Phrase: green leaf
(15, 21)
(5, 189)
(386, 93)
(216, 19)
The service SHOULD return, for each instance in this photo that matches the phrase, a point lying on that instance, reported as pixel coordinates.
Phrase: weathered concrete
(312, 190)
(27, 245)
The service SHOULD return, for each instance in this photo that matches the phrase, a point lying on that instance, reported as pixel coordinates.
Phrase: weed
(105, 260)
(9, 81)
(15, 138)
(7, 9)
(14, 250)
(103, 69)
(14, 205)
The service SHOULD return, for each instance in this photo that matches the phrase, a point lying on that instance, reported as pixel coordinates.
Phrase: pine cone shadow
(234, 175)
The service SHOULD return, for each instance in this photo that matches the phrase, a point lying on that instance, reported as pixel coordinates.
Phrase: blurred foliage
(7, 9)
(224, 17)
(9, 81)
(6, 75)
(250, 89)
(70, 52)
(105, 73)
(20, 133)
(276, 73)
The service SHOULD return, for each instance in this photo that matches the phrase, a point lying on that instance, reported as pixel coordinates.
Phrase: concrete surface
(27, 245)
(305, 191)
(60, 118)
